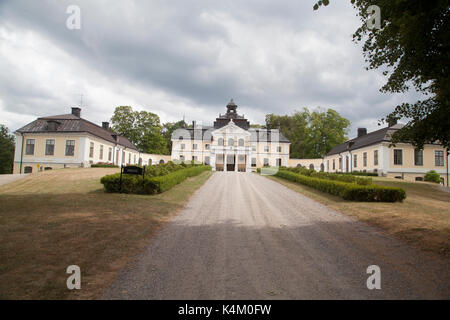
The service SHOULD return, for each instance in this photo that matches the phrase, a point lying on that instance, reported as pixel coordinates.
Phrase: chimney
(362, 132)
(76, 112)
(105, 125)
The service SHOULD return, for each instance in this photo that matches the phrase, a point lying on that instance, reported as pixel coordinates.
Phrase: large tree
(6, 150)
(142, 128)
(412, 49)
(312, 134)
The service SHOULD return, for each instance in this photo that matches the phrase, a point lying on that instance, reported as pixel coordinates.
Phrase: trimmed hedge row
(332, 176)
(348, 191)
(149, 185)
(103, 165)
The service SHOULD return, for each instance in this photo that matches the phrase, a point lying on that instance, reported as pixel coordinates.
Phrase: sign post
(135, 170)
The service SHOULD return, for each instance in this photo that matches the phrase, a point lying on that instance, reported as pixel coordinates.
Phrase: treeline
(6, 150)
(312, 134)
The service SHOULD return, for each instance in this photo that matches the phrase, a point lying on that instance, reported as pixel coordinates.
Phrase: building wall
(316, 163)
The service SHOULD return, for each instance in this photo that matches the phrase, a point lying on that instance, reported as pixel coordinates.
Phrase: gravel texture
(243, 236)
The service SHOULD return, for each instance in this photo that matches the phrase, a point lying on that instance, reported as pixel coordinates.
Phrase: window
(311, 166)
(398, 156)
(29, 149)
(123, 157)
(375, 157)
(100, 156)
(91, 150)
(266, 148)
(28, 169)
(70, 147)
(439, 158)
(194, 158)
(266, 162)
(182, 146)
(181, 158)
(129, 158)
(110, 154)
(241, 142)
(355, 161)
(279, 149)
(253, 162)
(207, 146)
(231, 142)
(180, 138)
(161, 161)
(150, 161)
(334, 164)
(340, 164)
(253, 148)
(206, 160)
(194, 146)
(278, 162)
(220, 142)
(49, 147)
(418, 157)
(365, 159)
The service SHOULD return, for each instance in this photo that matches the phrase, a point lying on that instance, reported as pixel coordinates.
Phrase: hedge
(150, 184)
(348, 191)
(433, 176)
(332, 176)
(103, 165)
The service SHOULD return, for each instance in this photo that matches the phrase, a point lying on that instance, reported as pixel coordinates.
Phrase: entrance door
(231, 162)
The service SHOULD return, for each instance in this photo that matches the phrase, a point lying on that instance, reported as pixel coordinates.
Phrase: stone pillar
(225, 162)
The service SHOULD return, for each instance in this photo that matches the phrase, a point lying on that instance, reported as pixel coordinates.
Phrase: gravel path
(7, 178)
(243, 236)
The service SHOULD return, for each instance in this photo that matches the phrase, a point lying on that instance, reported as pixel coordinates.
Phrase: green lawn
(54, 219)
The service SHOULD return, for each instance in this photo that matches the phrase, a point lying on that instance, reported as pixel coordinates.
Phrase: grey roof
(68, 123)
(375, 137)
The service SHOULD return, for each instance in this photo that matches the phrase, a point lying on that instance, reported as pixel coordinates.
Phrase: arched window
(322, 167)
(220, 142)
(180, 138)
(149, 162)
(181, 158)
(161, 161)
(28, 170)
(231, 142)
(311, 166)
(140, 161)
(241, 142)
(299, 165)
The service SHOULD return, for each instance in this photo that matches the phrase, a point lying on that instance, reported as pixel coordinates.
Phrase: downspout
(448, 153)
(21, 154)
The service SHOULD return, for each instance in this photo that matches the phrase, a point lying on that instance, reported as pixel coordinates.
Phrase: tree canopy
(6, 150)
(412, 49)
(312, 134)
(142, 128)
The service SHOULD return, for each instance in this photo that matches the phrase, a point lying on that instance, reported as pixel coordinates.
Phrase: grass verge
(58, 218)
(423, 219)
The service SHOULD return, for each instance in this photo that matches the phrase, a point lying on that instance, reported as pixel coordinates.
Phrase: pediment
(230, 129)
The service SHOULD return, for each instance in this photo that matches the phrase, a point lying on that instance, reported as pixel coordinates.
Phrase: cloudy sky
(189, 58)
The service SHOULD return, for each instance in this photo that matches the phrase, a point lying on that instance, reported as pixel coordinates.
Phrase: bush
(369, 174)
(332, 176)
(103, 165)
(433, 176)
(348, 191)
(150, 184)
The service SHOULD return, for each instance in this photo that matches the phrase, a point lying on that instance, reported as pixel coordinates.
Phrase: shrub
(103, 165)
(331, 176)
(433, 176)
(150, 184)
(348, 191)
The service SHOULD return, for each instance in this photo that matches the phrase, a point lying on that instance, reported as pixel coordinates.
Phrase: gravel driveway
(7, 178)
(243, 236)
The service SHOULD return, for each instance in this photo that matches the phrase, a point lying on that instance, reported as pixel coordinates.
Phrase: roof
(68, 123)
(369, 139)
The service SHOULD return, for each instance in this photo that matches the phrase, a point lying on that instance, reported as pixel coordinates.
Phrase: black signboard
(132, 170)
